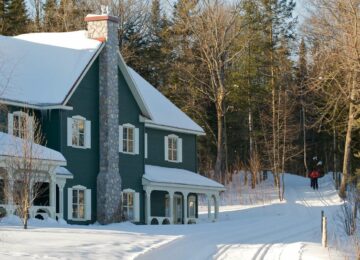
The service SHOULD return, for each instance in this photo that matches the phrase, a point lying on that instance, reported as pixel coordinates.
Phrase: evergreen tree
(3, 16)
(17, 17)
(50, 23)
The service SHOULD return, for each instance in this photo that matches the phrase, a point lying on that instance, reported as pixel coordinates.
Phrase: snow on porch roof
(163, 111)
(41, 68)
(12, 146)
(178, 176)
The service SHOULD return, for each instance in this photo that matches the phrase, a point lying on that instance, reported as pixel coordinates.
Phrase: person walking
(314, 175)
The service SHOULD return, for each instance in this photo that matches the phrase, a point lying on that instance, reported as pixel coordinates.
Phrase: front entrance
(178, 209)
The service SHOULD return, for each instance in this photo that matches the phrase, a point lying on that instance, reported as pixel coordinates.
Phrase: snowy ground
(267, 230)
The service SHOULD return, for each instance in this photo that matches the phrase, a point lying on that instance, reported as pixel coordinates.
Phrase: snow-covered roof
(16, 147)
(163, 111)
(178, 176)
(41, 68)
(63, 171)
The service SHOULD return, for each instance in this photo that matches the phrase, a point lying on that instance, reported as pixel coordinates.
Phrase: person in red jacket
(314, 175)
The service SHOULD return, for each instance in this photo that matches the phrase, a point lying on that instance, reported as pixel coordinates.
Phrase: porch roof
(63, 172)
(11, 146)
(173, 177)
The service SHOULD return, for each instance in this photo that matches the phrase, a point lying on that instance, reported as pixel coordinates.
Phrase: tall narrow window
(78, 132)
(172, 148)
(128, 205)
(78, 204)
(128, 139)
(20, 125)
(192, 206)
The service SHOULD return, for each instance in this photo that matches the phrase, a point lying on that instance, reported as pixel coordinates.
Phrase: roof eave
(147, 182)
(132, 85)
(151, 124)
(82, 75)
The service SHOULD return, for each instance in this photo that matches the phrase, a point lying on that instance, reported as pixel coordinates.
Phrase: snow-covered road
(287, 230)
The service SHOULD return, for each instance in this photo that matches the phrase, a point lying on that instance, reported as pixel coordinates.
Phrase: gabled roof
(163, 112)
(41, 69)
(11, 146)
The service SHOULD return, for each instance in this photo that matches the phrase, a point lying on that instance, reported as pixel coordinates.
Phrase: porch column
(217, 200)
(61, 186)
(10, 200)
(185, 194)
(171, 207)
(52, 193)
(148, 207)
(208, 196)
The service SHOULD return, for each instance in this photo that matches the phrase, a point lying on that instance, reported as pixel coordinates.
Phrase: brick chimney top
(101, 17)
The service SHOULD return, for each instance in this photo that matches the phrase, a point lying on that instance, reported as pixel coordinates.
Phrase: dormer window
(20, 124)
(173, 148)
(78, 132)
(129, 139)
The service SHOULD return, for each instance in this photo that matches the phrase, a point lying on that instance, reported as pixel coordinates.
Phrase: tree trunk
(304, 138)
(347, 148)
(218, 163)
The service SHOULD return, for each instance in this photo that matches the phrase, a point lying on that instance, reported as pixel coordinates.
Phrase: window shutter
(136, 141)
(87, 134)
(69, 203)
(10, 124)
(146, 146)
(179, 150)
(120, 138)
(136, 207)
(69, 131)
(166, 148)
(30, 125)
(88, 204)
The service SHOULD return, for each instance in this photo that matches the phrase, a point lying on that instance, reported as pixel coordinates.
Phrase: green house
(116, 149)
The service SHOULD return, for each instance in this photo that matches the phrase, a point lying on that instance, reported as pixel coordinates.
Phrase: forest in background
(270, 93)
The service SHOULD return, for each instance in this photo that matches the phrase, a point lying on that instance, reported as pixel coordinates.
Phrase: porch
(172, 195)
(44, 180)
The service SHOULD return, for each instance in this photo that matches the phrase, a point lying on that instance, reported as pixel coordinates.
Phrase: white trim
(38, 107)
(166, 186)
(128, 190)
(135, 139)
(136, 94)
(83, 73)
(121, 137)
(87, 137)
(149, 124)
(146, 146)
(87, 134)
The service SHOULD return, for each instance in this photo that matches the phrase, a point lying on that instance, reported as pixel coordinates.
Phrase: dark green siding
(131, 166)
(156, 150)
(83, 163)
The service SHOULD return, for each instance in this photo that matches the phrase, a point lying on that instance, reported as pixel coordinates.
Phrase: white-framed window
(78, 132)
(20, 124)
(79, 203)
(173, 148)
(128, 139)
(192, 206)
(131, 205)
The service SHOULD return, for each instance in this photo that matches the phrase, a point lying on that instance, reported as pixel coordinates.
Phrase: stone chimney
(105, 28)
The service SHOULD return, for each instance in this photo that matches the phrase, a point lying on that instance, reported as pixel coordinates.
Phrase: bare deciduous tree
(214, 27)
(27, 169)
(335, 24)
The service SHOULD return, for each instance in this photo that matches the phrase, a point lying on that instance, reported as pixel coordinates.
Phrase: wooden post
(322, 220)
(324, 233)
